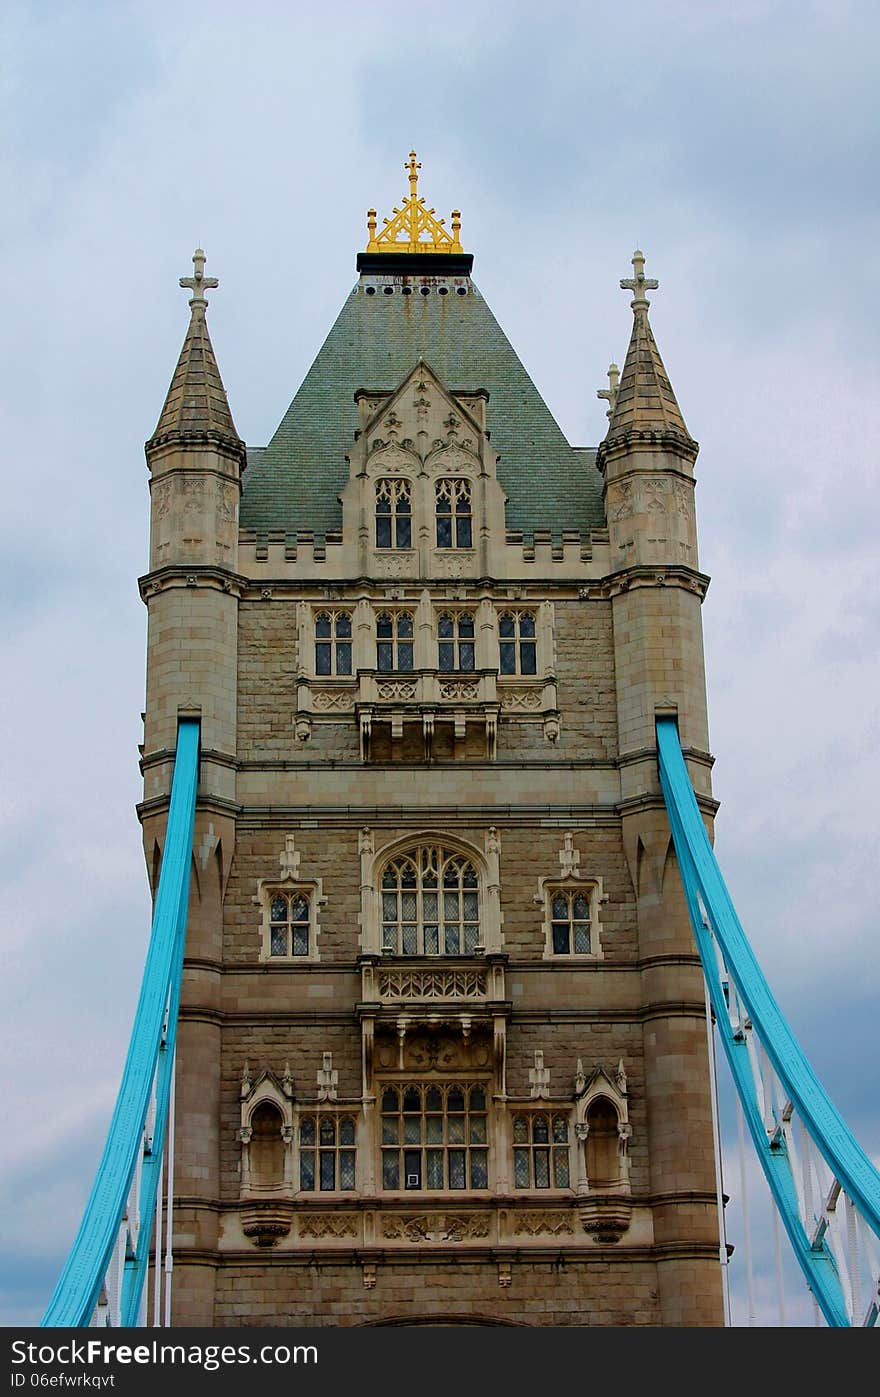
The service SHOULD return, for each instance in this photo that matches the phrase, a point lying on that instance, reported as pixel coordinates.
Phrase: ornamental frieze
(546, 1224)
(327, 1225)
(435, 1227)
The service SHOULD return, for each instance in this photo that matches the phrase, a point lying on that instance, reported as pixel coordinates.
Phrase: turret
(647, 460)
(196, 459)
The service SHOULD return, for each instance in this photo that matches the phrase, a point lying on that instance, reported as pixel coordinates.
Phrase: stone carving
(333, 700)
(394, 565)
(193, 493)
(226, 504)
(656, 495)
(162, 498)
(683, 498)
(435, 1227)
(432, 984)
(393, 458)
(622, 501)
(327, 1225)
(449, 565)
(520, 700)
(550, 1224)
(459, 692)
(427, 1051)
(449, 459)
(396, 691)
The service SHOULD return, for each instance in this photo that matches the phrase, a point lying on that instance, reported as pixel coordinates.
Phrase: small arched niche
(267, 1148)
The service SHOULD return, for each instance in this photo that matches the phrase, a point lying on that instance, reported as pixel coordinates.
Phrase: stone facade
(478, 1092)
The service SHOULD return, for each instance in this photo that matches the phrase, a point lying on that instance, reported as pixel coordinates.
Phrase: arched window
(516, 632)
(540, 1150)
(393, 514)
(434, 1137)
(333, 642)
(603, 1157)
(394, 641)
(326, 1153)
(455, 641)
(266, 1147)
(290, 924)
(571, 922)
(430, 903)
(454, 519)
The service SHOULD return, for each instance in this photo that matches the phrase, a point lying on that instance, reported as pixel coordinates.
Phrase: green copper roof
(294, 482)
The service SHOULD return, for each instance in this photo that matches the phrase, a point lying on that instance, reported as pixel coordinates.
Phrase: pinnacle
(645, 399)
(196, 405)
(196, 401)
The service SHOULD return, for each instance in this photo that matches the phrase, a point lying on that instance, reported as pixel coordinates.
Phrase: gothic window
(454, 519)
(290, 923)
(516, 631)
(393, 514)
(571, 922)
(394, 641)
(326, 1153)
(430, 904)
(434, 1137)
(333, 643)
(540, 1150)
(455, 632)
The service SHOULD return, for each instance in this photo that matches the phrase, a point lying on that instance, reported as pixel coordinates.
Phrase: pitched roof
(196, 407)
(293, 483)
(645, 400)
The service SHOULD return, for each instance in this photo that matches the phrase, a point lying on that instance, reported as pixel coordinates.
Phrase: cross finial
(198, 282)
(639, 283)
(610, 393)
(413, 166)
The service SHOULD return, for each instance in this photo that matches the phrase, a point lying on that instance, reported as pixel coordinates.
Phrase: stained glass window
(326, 1153)
(434, 1137)
(454, 521)
(289, 924)
(540, 1150)
(430, 903)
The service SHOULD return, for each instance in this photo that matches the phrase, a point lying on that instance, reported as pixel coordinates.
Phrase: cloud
(735, 144)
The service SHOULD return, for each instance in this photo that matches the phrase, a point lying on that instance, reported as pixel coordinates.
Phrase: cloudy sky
(736, 144)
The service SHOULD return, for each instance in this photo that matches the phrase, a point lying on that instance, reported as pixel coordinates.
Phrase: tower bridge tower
(442, 1047)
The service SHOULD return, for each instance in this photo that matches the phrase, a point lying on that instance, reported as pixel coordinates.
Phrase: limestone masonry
(442, 1050)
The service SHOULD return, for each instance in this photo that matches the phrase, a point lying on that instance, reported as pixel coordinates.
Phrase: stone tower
(442, 1051)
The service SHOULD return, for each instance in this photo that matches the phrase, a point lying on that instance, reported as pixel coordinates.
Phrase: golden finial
(414, 228)
(413, 166)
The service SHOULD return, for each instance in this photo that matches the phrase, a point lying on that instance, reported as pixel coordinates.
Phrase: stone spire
(196, 408)
(644, 406)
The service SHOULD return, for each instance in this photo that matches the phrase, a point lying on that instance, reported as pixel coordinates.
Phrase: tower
(443, 1043)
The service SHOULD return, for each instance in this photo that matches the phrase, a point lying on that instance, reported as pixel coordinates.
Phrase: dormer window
(394, 641)
(393, 514)
(455, 644)
(454, 516)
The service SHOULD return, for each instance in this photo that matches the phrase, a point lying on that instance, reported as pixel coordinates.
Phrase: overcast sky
(736, 144)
